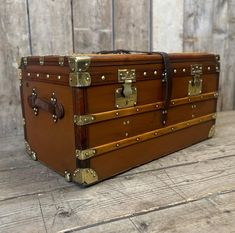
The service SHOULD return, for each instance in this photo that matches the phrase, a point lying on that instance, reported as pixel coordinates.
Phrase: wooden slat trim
(144, 137)
(98, 117)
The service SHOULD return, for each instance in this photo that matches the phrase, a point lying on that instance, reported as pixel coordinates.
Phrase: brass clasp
(195, 85)
(126, 96)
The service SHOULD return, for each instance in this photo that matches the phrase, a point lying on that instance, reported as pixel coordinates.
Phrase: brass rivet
(137, 110)
(128, 122)
(145, 73)
(193, 115)
(124, 122)
(117, 113)
(172, 128)
(173, 102)
(59, 77)
(184, 70)
(28, 74)
(103, 77)
(187, 123)
(117, 106)
(126, 134)
(155, 72)
(87, 78)
(137, 139)
(117, 145)
(209, 68)
(156, 105)
(175, 70)
(189, 100)
(37, 75)
(48, 76)
(155, 133)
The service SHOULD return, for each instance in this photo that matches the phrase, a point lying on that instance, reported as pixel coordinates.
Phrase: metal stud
(193, 115)
(145, 73)
(157, 106)
(137, 139)
(117, 113)
(117, 145)
(175, 71)
(155, 72)
(126, 134)
(173, 102)
(137, 110)
(128, 122)
(59, 77)
(209, 68)
(28, 74)
(155, 133)
(117, 106)
(38, 75)
(184, 70)
(172, 128)
(48, 76)
(103, 77)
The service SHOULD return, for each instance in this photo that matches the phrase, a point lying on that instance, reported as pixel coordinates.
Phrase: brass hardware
(184, 70)
(175, 71)
(59, 77)
(85, 176)
(23, 121)
(85, 154)
(127, 95)
(20, 74)
(217, 68)
(30, 152)
(38, 75)
(22, 62)
(209, 68)
(83, 120)
(214, 116)
(79, 77)
(103, 77)
(155, 72)
(48, 76)
(195, 85)
(211, 131)
(41, 61)
(145, 73)
(61, 61)
(67, 176)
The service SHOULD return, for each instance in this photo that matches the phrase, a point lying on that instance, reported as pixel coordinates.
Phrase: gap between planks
(155, 209)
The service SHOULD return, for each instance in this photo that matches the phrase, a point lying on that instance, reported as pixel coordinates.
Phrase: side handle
(51, 106)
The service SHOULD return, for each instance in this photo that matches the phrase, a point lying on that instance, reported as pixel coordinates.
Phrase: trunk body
(90, 117)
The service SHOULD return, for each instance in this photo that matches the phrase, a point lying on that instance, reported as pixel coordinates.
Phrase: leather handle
(166, 80)
(52, 106)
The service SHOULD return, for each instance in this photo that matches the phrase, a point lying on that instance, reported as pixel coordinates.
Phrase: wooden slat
(51, 27)
(212, 214)
(92, 25)
(206, 28)
(167, 26)
(131, 25)
(14, 40)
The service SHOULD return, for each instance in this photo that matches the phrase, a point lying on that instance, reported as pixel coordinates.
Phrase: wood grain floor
(192, 190)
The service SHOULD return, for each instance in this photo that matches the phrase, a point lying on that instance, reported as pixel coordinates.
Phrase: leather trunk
(91, 116)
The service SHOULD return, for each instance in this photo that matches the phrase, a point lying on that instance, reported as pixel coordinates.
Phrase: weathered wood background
(65, 26)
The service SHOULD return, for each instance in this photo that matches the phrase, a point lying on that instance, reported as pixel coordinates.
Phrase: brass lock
(126, 96)
(195, 85)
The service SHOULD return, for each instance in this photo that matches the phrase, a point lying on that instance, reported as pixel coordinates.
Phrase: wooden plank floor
(192, 190)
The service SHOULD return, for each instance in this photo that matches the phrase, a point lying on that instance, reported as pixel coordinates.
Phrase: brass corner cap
(79, 62)
(22, 62)
(211, 131)
(85, 176)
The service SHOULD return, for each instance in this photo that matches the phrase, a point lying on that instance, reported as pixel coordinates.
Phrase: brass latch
(195, 85)
(126, 96)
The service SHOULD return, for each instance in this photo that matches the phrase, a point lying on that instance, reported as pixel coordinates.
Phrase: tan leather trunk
(91, 116)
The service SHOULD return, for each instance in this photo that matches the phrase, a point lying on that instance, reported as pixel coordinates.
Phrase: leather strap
(166, 80)
(53, 106)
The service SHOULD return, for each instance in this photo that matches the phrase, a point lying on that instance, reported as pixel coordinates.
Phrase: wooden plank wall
(63, 27)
